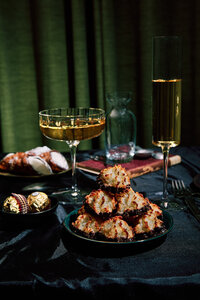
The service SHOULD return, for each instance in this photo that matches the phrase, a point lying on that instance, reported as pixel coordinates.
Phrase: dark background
(61, 53)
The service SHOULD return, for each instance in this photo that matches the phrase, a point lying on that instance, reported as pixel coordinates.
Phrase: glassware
(120, 128)
(166, 99)
(72, 125)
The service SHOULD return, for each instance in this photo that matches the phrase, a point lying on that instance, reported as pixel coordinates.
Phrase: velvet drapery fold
(70, 52)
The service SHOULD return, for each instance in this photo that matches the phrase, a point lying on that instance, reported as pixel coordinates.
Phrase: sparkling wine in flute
(166, 112)
(166, 97)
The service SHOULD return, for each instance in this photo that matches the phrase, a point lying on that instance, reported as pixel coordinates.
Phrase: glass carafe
(120, 128)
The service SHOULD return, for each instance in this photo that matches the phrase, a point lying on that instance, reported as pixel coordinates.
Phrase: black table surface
(41, 257)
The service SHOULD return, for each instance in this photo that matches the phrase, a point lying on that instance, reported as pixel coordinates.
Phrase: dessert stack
(115, 212)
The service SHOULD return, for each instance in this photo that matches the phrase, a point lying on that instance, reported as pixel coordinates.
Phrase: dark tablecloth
(38, 258)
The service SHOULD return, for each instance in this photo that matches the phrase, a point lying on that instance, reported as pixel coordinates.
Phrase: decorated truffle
(16, 203)
(38, 201)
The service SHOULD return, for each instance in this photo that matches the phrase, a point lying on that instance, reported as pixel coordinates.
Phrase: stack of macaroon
(115, 212)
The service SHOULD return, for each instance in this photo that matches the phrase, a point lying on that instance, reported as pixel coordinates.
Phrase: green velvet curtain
(70, 52)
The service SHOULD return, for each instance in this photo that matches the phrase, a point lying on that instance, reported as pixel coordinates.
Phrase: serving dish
(167, 218)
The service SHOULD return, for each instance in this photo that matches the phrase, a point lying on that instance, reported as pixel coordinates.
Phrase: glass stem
(73, 147)
(165, 150)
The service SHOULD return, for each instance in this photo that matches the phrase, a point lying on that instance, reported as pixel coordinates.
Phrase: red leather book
(135, 168)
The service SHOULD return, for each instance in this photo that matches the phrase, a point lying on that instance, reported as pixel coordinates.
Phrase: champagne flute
(72, 125)
(166, 99)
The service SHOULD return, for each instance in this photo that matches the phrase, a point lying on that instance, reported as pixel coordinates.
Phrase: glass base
(170, 203)
(70, 196)
(120, 153)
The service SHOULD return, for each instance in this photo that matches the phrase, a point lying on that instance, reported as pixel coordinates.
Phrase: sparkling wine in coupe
(166, 112)
(73, 129)
(72, 125)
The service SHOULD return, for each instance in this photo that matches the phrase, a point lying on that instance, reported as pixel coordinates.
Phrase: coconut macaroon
(156, 209)
(131, 203)
(86, 225)
(100, 203)
(148, 224)
(117, 230)
(114, 179)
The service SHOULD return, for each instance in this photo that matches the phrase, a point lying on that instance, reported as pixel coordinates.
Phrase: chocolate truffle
(16, 203)
(38, 201)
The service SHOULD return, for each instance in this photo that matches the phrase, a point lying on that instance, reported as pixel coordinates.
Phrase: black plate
(6, 174)
(167, 218)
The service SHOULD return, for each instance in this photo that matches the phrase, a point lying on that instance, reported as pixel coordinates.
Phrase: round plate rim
(6, 174)
(67, 228)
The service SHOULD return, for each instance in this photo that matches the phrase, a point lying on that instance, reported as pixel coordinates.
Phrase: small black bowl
(29, 218)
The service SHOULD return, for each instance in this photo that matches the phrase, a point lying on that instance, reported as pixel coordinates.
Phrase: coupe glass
(166, 99)
(72, 125)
